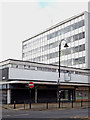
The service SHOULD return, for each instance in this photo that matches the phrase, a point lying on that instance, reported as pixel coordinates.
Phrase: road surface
(71, 113)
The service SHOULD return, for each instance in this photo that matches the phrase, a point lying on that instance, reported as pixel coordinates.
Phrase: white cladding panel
(23, 74)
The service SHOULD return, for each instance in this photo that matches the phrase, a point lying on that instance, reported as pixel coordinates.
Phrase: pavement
(44, 106)
(40, 110)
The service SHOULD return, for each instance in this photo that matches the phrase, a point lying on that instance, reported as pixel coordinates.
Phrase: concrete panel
(87, 36)
(89, 6)
(22, 74)
(5, 74)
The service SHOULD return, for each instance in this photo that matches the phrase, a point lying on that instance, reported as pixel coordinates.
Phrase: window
(62, 52)
(75, 61)
(75, 37)
(83, 59)
(73, 26)
(66, 29)
(80, 60)
(25, 46)
(65, 62)
(81, 35)
(75, 49)
(29, 66)
(23, 55)
(62, 31)
(4, 86)
(52, 55)
(81, 23)
(68, 39)
(52, 35)
(81, 47)
(67, 51)
(69, 62)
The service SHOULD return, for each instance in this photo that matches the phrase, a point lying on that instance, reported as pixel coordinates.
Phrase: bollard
(62, 104)
(30, 105)
(72, 103)
(59, 103)
(14, 104)
(24, 105)
(47, 105)
(81, 103)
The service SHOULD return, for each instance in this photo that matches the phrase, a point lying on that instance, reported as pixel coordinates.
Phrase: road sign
(31, 85)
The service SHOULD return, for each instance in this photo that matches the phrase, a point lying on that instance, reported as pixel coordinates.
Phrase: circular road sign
(31, 85)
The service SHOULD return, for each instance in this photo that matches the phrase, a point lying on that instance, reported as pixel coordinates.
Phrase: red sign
(31, 85)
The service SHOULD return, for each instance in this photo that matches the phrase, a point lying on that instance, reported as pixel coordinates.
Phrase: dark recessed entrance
(47, 95)
(21, 95)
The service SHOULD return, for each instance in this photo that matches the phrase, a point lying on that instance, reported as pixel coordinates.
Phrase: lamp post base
(59, 93)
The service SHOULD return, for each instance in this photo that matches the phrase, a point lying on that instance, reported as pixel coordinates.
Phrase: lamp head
(66, 45)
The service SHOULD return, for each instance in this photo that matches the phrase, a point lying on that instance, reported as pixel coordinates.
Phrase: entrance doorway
(67, 95)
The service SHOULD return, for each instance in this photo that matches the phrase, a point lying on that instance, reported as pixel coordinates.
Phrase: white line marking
(8, 115)
(20, 114)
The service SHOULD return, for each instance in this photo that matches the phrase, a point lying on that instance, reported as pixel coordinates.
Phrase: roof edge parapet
(56, 25)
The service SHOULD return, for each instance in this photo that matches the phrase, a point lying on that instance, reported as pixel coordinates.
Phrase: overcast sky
(21, 20)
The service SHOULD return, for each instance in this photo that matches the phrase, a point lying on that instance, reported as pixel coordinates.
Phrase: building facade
(16, 75)
(44, 47)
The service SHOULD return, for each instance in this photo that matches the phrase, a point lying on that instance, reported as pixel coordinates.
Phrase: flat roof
(8, 61)
(56, 25)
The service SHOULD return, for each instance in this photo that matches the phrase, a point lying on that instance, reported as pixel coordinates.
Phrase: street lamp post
(66, 45)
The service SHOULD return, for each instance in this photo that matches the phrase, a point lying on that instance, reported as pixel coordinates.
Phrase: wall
(0, 95)
(23, 74)
(87, 29)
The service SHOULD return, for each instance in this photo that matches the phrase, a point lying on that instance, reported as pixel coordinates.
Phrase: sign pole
(31, 85)
(30, 99)
(30, 95)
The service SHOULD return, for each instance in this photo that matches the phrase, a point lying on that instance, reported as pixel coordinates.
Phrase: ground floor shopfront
(42, 93)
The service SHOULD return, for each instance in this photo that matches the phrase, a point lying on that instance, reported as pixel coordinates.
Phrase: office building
(44, 47)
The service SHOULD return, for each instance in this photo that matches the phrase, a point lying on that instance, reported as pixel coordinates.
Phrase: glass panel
(66, 29)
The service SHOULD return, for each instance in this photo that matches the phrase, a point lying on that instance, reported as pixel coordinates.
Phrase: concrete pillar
(36, 99)
(8, 96)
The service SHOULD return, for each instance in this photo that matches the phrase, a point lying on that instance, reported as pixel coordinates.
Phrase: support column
(36, 99)
(8, 96)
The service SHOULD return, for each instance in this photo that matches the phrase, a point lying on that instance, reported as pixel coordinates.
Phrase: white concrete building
(15, 76)
(44, 47)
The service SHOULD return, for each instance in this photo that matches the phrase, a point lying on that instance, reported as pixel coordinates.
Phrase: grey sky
(21, 20)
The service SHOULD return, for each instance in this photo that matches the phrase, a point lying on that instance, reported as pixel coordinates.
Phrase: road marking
(8, 115)
(20, 114)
